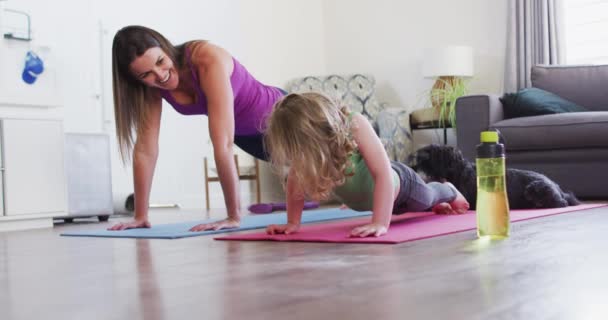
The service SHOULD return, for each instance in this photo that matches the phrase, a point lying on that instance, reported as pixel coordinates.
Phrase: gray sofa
(570, 148)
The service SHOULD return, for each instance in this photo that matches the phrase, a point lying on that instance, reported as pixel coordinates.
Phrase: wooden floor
(551, 268)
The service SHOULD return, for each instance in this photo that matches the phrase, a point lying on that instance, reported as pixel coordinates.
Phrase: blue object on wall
(33, 67)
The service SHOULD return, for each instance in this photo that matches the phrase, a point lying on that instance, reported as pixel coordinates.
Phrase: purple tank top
(253, 100)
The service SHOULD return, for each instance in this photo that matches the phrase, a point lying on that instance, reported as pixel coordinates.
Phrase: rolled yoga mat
(180, 230)
(123, 202)
(406, 227)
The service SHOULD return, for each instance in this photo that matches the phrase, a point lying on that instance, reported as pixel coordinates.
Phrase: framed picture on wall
(28, 77)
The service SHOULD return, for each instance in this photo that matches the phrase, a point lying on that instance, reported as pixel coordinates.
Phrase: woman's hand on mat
(131, 225)
(282, 228)
(370, 229)
(227, 223)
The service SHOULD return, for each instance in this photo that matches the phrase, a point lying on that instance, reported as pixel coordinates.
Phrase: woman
(196, 77)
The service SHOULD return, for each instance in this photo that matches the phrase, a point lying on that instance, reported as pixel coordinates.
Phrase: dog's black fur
(525, 189)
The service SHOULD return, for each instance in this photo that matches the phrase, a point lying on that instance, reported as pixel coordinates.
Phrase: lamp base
(441, 84)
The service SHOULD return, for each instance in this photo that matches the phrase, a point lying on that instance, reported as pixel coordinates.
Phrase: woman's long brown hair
(131, 96)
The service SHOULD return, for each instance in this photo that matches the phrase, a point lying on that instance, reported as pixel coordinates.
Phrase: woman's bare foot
(459, 205)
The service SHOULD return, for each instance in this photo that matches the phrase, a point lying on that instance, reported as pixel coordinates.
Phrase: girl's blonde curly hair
(311, 134)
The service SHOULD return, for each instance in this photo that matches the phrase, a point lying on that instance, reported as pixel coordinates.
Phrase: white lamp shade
(448, 61)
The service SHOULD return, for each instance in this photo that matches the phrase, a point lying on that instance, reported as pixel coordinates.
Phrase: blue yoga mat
(180, 230)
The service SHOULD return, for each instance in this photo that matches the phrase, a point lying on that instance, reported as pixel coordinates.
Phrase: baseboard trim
(13, 224)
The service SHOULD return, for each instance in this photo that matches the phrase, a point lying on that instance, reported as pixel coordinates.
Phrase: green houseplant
(444, 94)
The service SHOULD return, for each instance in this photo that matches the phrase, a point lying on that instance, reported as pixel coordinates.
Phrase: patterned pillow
(358, 92)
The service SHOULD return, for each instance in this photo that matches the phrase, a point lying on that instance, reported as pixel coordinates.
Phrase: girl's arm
(214, 66)
(295, 205)
(379, 166)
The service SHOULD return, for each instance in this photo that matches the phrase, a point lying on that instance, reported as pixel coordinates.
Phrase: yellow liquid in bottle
(492, 203)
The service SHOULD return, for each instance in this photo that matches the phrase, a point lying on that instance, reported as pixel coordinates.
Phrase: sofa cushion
(556, 131)
(534, 102)
(583, 85)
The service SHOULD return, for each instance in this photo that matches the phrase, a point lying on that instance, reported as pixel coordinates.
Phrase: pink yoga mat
(406, 227)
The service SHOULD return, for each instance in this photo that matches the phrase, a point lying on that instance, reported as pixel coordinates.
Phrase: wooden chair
(252, 173)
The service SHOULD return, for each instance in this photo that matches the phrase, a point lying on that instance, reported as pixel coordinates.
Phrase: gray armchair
(571, 148)
(358, 92)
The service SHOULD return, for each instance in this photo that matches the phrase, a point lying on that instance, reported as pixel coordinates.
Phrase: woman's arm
(214, 66)
(145, 154)
(295, 205)
(379, 166)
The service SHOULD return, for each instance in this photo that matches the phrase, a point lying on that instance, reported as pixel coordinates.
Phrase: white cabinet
(33, 167)
(1, 173)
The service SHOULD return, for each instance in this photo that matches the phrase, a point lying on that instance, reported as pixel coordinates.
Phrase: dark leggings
(415, 194)
(254, 144)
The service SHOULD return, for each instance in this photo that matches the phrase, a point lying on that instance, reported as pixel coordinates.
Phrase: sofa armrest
(475, 114)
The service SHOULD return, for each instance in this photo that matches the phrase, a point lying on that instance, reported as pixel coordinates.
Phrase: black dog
(525, 189)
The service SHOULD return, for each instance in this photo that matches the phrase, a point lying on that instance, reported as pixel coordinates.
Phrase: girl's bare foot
(459, 205)
(443, 208)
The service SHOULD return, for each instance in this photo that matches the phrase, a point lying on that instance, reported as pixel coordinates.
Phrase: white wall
(282, 39)
(264, 35)
(81, 46)
(183, 140)
(275, 39)
(386, 38)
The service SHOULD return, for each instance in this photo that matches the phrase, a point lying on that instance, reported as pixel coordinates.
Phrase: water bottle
(492, 202)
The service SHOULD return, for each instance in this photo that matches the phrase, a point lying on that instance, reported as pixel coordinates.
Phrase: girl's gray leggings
(415, 194)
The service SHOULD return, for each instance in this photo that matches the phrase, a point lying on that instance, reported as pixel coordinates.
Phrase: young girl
(329, 149)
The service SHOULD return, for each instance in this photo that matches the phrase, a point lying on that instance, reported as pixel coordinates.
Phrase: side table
(426, 129)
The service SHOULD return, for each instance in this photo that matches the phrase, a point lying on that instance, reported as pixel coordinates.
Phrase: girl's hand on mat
(223, 224)
(370, 229)
(130, 225)
(282, 228)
